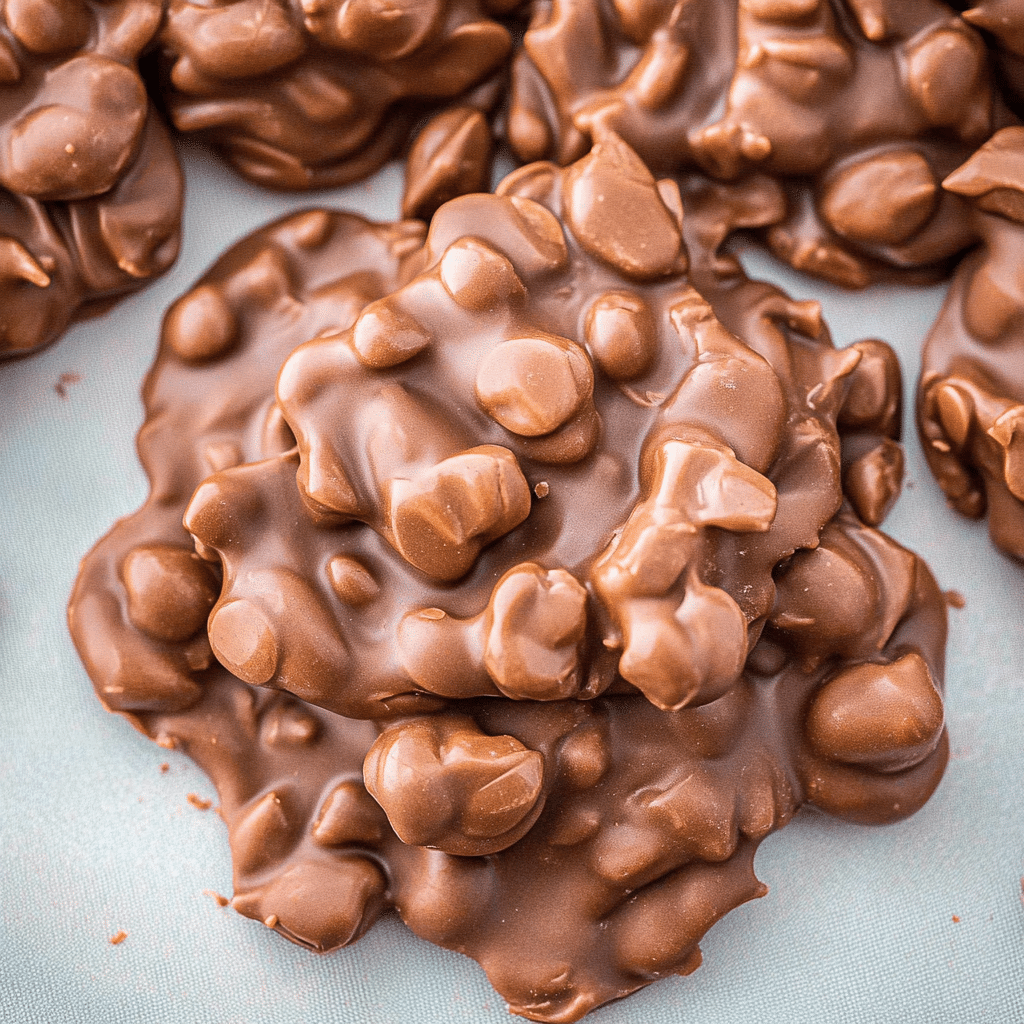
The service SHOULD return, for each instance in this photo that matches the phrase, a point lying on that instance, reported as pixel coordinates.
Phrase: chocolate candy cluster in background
(521, 570)
(581, 554)
(90, 188)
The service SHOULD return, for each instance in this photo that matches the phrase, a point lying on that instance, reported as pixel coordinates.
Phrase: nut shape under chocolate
(619, 813)
(449, 490)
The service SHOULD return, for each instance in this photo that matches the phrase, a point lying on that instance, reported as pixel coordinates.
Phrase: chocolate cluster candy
(295, 95)
(444, 438)
(857, 109)
(321, 92)
(543, 586)
(140, 606)
(90, 188)
(971, 393)
(843, 117)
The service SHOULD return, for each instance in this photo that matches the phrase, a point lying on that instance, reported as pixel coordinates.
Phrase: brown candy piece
(133, 669)
(384, 462)
(92, 190)
(322, 93)
(970, 400)
(575, 559)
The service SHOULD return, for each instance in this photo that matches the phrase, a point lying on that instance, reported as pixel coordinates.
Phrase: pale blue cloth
(859, 924)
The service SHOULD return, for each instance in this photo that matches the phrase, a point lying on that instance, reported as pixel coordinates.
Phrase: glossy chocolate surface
(855, 110)
(319, 92)
(1002, 24)
(858, 109)
(603, 593)
(971, 393)
(90, 188)
(295, 95)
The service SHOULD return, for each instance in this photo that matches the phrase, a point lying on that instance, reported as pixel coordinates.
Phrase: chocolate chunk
(428, 496)
(538, 598)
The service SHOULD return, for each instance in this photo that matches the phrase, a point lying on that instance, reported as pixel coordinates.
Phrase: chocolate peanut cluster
(971, 393)
(90, 188)
(847, 113)
(547, 577)
(857, 109)
(321, 92)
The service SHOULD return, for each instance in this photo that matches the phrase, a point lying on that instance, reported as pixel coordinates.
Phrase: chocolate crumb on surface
(64, 381)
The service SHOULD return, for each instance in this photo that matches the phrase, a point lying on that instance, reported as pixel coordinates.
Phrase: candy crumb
(199, 802)
(65, 379)
(117, 938)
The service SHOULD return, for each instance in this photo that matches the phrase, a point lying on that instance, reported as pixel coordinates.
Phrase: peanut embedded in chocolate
(540, 583)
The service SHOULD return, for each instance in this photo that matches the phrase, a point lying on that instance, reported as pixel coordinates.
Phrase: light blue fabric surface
(859, 925)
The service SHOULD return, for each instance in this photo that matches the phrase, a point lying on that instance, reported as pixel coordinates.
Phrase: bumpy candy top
(971, 394)
(547, 578)
(322, 92)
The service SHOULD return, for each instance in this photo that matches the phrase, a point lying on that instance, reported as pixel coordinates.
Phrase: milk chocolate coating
(313, 93)
(454, 578)
(858, 109)
(971, 392)
(210, 404)
(296, 95)
(90, 188)
(633, 857)
(479, 446)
